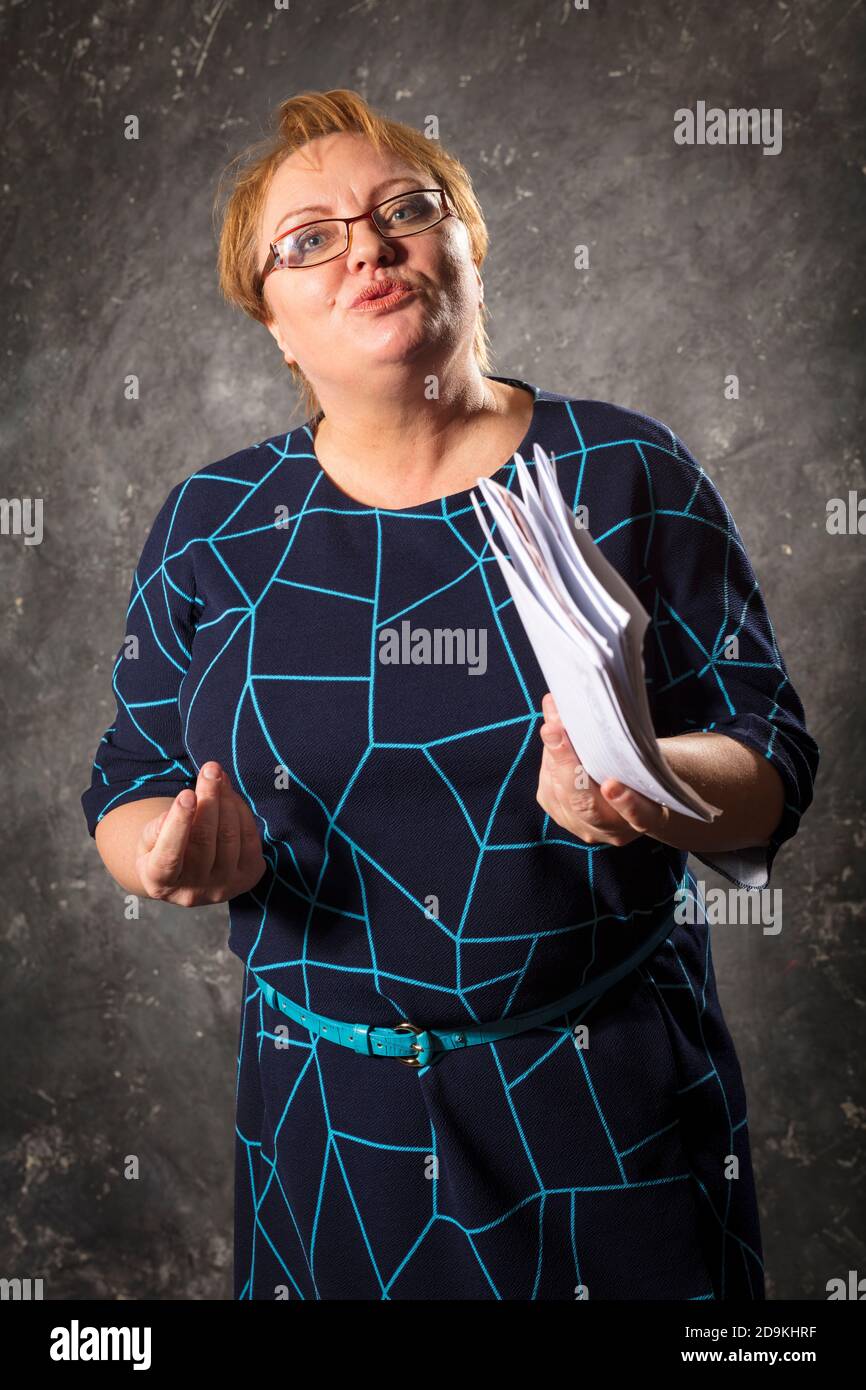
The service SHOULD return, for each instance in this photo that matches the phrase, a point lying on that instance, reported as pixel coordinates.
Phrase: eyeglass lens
(320, 241)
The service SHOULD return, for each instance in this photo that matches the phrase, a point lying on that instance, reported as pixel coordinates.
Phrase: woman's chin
(393, 349)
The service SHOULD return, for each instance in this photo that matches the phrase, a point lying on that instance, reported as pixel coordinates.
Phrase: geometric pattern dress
(364, 678)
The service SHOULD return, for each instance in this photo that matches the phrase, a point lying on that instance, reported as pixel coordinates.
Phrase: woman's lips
(384, 301)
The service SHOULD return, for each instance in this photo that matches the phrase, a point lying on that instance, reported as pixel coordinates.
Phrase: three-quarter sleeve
(143, 754)
(713, 662)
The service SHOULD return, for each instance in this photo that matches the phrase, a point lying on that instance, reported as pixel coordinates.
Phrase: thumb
(558, 746)
(554, 736)
(150, 830)
(647, 816)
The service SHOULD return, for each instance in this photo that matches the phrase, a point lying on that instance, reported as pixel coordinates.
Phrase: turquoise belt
(428, 1045)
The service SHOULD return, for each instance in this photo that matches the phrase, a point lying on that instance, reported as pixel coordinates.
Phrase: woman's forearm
(741, 782)
(117, 836)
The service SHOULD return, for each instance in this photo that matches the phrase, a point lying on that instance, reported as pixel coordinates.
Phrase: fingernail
(211, 772)
(187, 798)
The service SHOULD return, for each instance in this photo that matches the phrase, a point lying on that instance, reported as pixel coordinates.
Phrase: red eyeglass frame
(270, 264)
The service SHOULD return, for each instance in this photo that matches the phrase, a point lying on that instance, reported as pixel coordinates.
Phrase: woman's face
(311, 309)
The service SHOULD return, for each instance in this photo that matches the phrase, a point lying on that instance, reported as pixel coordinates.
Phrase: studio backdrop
(673, 197)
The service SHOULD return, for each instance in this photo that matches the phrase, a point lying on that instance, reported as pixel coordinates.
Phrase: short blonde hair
(295, 122)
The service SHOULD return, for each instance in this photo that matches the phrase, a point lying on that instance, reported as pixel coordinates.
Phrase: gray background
(120, 1037)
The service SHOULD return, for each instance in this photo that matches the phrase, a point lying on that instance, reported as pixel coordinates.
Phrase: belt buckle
(406, 1027)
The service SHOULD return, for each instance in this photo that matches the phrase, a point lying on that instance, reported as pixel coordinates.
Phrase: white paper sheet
(587, 628)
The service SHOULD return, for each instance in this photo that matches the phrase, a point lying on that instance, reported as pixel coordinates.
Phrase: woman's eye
(403, 212)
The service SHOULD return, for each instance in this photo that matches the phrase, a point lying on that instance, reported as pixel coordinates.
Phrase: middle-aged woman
(406, 840)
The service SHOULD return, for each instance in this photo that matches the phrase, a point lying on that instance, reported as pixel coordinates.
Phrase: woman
(408, 845)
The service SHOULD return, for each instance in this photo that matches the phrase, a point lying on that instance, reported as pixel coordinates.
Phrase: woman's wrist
(744, 785)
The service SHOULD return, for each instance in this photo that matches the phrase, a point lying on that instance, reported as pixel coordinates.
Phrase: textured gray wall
(119, 1036)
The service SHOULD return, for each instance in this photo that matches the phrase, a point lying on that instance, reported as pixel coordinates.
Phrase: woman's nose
(367, 245)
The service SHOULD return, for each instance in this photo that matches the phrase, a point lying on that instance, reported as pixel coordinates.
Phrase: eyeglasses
(316, 242)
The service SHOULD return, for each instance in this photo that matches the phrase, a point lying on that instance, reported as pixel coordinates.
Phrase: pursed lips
(380, 292)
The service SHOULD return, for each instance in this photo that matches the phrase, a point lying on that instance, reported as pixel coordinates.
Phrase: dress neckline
(326, 485)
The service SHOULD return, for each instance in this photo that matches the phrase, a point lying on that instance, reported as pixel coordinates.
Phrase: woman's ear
(276, 333)
(480, 283)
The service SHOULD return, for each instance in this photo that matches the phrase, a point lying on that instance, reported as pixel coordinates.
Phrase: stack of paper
(587, 629)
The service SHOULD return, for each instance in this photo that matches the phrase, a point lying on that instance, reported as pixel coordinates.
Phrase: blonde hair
(295, 122)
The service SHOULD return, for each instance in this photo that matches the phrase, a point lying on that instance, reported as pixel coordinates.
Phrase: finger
(585, 798)
(644, 815)
(228, 836)
(241, 805)
(566, 784)
(586, 825)
(577, 791)
(251, 862)
(557, 744)
(201, 848)
(581, 811)
(555, 737)
(568, 793)
(165, 860)
(150, 831)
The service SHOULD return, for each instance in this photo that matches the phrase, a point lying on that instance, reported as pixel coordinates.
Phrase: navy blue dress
(411, 874)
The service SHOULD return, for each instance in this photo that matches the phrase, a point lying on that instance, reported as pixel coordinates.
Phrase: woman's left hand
(599, 814)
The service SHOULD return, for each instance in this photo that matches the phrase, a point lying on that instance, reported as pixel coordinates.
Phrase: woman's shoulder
(589, 431)
(199, 499)
(624, 463)
(605, 420)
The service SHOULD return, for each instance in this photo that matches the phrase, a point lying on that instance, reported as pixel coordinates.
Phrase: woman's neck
(442, 445)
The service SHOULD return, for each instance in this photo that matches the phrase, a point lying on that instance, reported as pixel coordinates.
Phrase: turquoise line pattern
(411, 874)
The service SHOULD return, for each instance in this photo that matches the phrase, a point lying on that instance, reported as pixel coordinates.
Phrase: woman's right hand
(205, 848)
